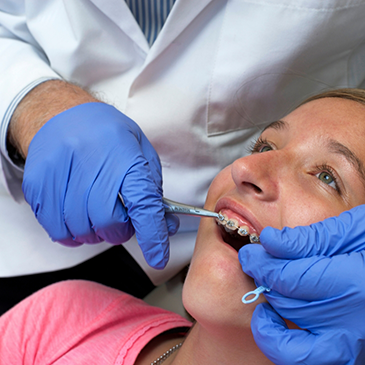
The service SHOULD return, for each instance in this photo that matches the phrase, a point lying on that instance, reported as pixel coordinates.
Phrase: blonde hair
(357, 95)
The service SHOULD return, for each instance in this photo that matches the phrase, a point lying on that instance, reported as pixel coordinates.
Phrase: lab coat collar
(118, 11)
(182, 14)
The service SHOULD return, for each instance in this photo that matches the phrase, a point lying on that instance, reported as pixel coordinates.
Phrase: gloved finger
(286, 347)
(107, 214)
(43, 199)
(173, 223)
(333, 236)
(143, 201)
(84, 188)
(312, 278)
(153, 159)
(172, 220)
(75, 211)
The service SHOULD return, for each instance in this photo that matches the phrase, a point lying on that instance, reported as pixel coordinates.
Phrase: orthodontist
(96, 96)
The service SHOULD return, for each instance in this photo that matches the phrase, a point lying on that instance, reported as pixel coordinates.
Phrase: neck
(205, 347)
(156, 347)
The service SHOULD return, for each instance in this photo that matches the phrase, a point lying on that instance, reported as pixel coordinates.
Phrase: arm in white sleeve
(23, 66)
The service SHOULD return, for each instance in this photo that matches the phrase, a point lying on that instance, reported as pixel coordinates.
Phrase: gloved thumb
(332, 236)
(173, 223)
(284, 346)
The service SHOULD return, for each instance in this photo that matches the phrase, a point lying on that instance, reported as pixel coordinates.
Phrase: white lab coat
(218, 72)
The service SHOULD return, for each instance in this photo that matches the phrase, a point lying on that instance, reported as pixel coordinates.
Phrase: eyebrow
(278, 125)
(338, 148)
(334, 146)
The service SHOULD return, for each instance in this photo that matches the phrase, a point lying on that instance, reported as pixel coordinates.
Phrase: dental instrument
(256, 293)
(180, 208)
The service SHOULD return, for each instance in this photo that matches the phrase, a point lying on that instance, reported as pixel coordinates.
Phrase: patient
(303, 169)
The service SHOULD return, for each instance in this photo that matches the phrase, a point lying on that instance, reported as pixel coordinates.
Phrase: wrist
(40, 105)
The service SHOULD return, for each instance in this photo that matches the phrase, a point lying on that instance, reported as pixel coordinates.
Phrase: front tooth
(223, 221)
(220, 218)
(243, 231)
(232, 224)
(254, 238)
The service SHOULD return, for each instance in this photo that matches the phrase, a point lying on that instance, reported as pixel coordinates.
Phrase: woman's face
(303, 169)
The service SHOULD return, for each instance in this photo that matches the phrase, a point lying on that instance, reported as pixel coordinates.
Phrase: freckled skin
(280, 187)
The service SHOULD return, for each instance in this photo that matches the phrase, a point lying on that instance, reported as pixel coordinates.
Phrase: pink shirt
(79, 322)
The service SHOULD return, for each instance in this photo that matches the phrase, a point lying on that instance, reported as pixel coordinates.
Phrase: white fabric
(217, 73)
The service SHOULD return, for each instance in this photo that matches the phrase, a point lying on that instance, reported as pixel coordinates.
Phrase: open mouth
(232, 238)
(236, 231)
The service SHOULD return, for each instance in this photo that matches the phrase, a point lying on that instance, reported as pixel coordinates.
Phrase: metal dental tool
(179, 208)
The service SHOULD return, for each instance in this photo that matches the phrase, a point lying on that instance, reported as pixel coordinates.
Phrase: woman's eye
(327, 178)
(261, 145)
(265, 148)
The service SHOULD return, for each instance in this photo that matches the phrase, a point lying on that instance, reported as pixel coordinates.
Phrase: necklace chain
(166, 354)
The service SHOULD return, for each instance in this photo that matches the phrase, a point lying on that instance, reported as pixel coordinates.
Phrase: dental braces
(231, 226)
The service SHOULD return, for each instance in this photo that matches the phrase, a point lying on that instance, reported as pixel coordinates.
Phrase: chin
(213, 291)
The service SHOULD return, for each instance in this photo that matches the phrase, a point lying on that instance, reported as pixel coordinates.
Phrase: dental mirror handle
(180, 208)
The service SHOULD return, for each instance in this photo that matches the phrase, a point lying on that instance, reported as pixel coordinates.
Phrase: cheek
(222, 183)
(305, 209)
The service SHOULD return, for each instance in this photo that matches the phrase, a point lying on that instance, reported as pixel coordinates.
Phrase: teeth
(254, 238)
(229, 230)
(231, 225)
(243, 231)
(220, 218)
(223, 219)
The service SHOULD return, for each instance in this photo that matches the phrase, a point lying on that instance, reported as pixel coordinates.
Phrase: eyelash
(328, 169)
(262, 142)
(258, 144)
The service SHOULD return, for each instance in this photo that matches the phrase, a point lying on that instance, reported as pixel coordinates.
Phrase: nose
(258, 175)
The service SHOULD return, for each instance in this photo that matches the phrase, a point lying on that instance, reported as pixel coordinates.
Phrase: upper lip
(240, 210)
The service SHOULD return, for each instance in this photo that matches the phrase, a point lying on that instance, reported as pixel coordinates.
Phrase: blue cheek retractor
(256, 293)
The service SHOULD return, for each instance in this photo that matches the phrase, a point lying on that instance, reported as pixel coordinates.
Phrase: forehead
(332, 117)
(326, 119)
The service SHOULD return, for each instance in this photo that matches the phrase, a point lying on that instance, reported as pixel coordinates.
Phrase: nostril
(254, 187)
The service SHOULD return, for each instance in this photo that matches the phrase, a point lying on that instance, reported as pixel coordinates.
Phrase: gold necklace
(166, 354)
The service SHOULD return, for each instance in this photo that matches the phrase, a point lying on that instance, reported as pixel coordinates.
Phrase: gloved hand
(77, 164)
(317, 277)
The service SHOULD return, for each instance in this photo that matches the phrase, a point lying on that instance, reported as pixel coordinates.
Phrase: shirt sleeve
(23, 65)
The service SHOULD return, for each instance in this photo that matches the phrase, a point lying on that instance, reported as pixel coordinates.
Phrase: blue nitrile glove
(76, 165)
(317, 277)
